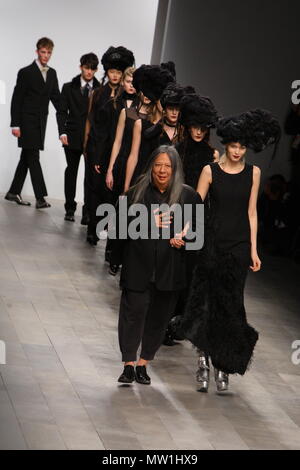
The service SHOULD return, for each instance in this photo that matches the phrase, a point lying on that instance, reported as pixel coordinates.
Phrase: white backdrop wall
(76, 27)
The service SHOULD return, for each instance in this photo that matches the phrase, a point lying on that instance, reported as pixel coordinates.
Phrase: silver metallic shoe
(222, 380)
(202, 374)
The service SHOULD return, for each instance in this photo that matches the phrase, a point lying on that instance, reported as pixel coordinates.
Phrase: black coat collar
(76, 82)
(38, 73)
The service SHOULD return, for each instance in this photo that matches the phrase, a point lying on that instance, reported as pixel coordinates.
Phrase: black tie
(86, 90)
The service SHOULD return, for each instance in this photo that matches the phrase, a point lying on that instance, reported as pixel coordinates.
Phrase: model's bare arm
(204, 182)
(134, 152)
(116, 148)
(252, 213)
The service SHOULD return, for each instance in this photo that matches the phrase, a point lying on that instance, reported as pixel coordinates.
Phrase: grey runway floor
(58, 389)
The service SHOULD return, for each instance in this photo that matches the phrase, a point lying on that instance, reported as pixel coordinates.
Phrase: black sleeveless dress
(215, 319)
(229, 196)
(152, 136)
(119, 170)
(194, 156)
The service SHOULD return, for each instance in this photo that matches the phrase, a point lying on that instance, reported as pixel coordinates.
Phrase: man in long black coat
(36, 85)
(153, 272)
(71, 120)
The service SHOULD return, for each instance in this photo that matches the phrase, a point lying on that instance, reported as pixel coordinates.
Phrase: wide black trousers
(71, 172)
(29, 160)
(143, 318)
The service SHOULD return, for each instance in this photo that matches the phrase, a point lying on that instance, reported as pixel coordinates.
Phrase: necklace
(167, 123)
(129, 96)
(223, 168)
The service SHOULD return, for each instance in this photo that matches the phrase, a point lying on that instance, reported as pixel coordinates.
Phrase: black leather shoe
(42, 204)
(70, 216)
(16, 198)
(141, 375)
(85, 219)
(113, 269)
(92, 239)
(128, 375)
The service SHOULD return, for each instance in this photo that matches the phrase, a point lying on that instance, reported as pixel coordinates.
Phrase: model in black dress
(215, 319)
(167, 131)
(115, 176)
(150, 80)
(125, 102)
(103, 119)
(197, 116)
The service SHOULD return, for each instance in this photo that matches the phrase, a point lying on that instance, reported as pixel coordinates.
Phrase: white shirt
(43, 68)
(83, 83)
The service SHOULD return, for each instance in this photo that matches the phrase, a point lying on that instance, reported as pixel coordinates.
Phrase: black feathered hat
(117, 58)
(170, 66)
(197, 110)
(256, 129)
(151, 80)
(174, 93)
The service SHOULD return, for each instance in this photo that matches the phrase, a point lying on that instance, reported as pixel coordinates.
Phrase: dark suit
(71, 120)
(152, 275)
(29, 112)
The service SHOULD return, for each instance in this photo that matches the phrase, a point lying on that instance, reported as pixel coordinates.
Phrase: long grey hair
(174, 189)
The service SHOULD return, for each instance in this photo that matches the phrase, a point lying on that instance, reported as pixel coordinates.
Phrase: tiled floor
(58, 389)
